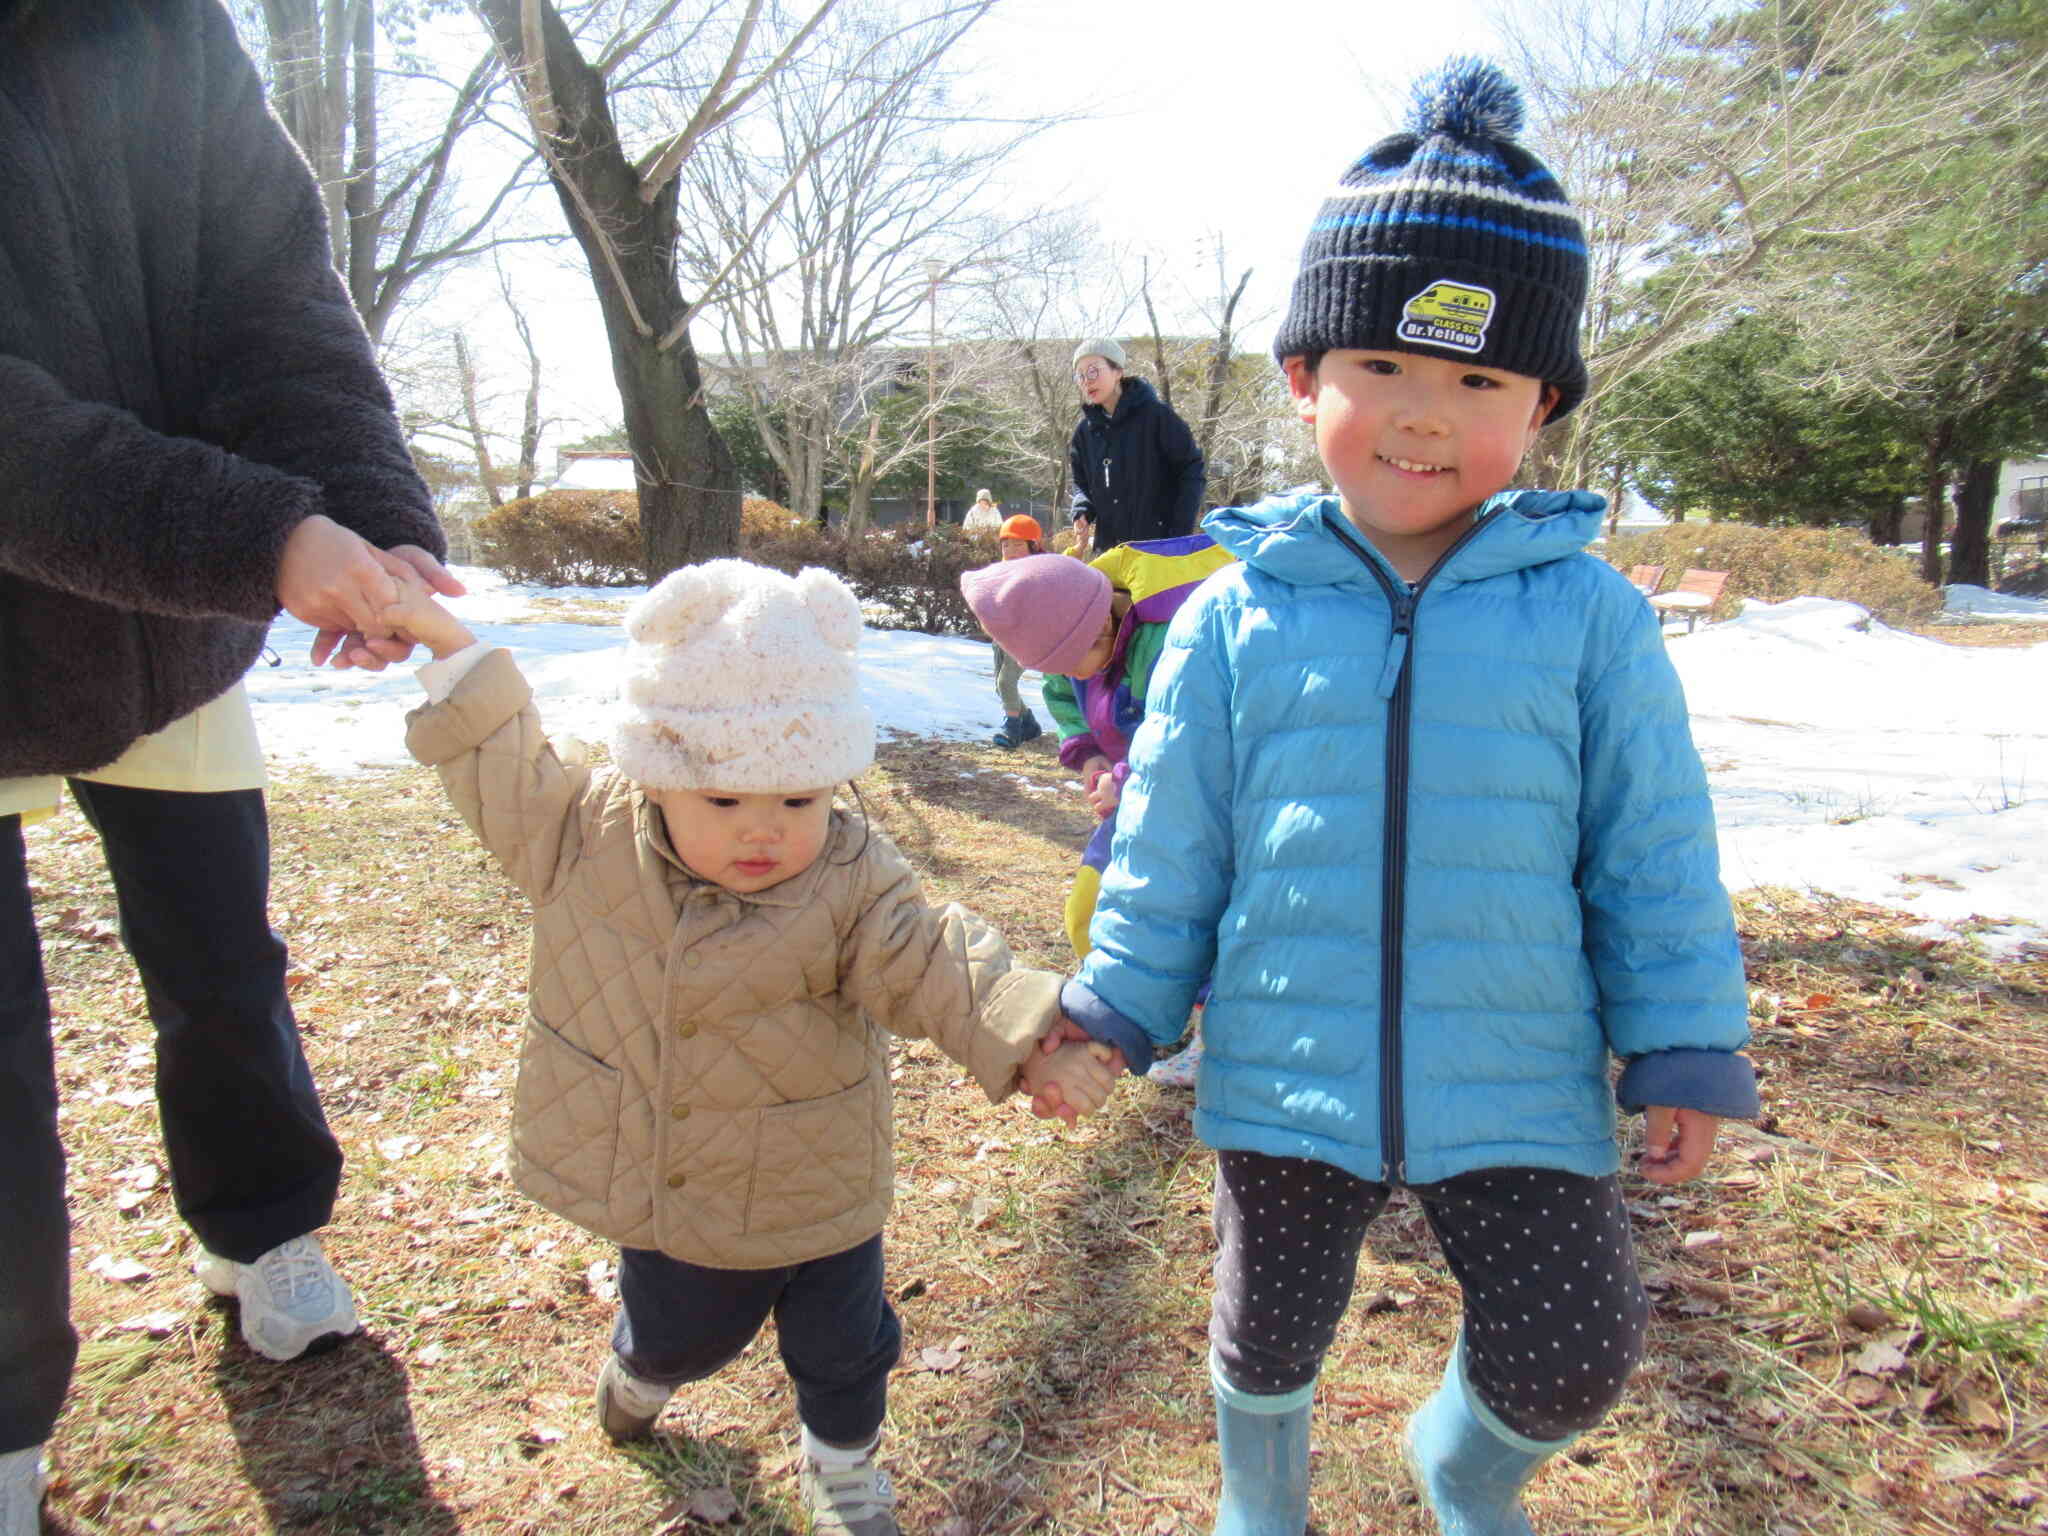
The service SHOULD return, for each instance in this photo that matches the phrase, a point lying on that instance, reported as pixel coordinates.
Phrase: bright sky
(1842, 756)
(1209, 119)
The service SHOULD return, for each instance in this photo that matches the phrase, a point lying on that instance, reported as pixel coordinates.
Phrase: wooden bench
(1696, 592)
(1646, 578)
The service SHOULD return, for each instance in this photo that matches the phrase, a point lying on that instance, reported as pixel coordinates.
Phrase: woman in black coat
(1136, 470)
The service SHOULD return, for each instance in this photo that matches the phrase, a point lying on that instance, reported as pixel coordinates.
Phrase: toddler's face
(1098, 653)
(1414, 442)
(743, 841)
(1014, 549)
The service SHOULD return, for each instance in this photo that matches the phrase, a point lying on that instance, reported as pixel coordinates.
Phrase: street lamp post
(931, 395)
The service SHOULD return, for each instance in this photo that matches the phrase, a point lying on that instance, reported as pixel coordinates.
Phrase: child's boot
(846, 1491)
(1468, 1464)
(627, 1406)
(1018, 729)
(21, 1491)
(1263, 1443)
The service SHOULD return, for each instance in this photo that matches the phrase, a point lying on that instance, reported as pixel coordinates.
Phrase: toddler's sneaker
(1178, 1071)
(21, 1491)
(851, 1500)
(627, 1406)
(292, 1300)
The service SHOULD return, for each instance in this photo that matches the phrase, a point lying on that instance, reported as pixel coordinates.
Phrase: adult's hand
(333, 579)
(375, 649)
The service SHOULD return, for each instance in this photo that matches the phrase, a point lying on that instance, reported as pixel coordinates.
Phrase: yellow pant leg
(1081, 908)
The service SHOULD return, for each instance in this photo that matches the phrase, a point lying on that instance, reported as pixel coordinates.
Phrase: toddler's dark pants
(251, 1160)
(838, 1334)
(1554, 1312)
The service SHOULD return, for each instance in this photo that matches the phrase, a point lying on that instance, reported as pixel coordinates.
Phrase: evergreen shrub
(1775, 564)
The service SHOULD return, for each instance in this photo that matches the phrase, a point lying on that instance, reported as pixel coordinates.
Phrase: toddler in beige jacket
(717, 954)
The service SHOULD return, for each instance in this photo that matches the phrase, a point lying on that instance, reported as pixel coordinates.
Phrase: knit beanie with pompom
(1449, 239)
(740, 678)
(1045, 610)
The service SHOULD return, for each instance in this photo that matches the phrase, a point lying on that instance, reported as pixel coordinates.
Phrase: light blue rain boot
(1264, 1446)
(1469, 1465)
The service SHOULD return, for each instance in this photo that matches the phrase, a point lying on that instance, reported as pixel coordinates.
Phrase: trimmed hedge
(905, 578)
(564, 539)
(1775, 564)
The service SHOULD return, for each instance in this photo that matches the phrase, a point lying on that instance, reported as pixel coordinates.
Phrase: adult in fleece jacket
(193, 433)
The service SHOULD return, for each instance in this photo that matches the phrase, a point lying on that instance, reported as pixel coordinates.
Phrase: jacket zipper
(1394, 839)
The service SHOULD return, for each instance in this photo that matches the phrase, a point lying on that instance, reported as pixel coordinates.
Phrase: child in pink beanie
(1095, 630)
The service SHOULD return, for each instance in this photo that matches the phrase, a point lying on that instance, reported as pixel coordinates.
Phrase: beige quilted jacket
(705, 1073)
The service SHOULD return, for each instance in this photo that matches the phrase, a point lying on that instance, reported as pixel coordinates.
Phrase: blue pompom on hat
(1449, 239)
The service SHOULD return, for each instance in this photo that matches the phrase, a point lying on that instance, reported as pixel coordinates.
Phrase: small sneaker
(627, 1406)
(21, 1491)
(849, 1501)
(1179, 1071)
(292, 1300)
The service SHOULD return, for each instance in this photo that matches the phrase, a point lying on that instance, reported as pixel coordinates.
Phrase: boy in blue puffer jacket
(1415, 787)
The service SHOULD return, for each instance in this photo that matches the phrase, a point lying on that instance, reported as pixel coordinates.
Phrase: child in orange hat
(1019, 536)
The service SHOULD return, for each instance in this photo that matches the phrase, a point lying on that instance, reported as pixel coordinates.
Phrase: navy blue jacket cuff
(1713, 1082)
(1104, 1023)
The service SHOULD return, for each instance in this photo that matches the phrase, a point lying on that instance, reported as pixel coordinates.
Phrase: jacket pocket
(816, 1159)
(565, 1113)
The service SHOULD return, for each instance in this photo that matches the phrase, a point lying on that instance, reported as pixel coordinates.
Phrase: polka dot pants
(1554, 1313)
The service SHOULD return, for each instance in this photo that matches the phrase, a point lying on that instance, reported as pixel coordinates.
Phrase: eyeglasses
(1089, 374)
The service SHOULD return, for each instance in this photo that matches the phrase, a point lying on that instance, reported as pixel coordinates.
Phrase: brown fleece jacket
(182, 377)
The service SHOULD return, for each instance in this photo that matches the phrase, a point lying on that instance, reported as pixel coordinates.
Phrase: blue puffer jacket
(1442, 852)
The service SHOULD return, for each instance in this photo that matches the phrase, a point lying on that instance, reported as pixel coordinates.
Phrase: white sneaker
(849, 1501)
(291, 1297)
(21, 1491)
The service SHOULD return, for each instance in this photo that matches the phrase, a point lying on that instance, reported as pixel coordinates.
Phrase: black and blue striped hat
(1449, 239)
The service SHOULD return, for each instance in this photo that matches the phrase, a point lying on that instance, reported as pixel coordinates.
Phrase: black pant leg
(1288, 1230)
(1555, 1315)
(683, 1322)
(37, 1344)
(840, 1339)
(252, 1161)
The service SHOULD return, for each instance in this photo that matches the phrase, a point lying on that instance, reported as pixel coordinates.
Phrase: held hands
(1070, 1074)
(337, 581)
(1676, 1144)
(416, 618)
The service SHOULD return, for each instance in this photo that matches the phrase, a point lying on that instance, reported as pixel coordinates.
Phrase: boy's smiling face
(1413, 442)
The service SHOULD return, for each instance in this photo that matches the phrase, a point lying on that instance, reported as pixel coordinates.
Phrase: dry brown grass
(1858, 1350)
(1987, 633)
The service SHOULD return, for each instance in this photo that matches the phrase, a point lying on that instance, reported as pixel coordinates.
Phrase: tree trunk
(1969, 558)
(1933, 502)
(486, 472)
(689, 485)
(1885, 526)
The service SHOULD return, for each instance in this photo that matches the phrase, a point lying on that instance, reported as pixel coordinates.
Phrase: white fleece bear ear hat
(741, 678)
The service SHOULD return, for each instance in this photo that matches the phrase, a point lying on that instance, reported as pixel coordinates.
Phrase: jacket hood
(1134, 397)
(1290, 536)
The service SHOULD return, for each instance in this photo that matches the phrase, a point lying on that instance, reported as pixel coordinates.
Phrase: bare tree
(383, 137)
(822, 230)
(1729, 154)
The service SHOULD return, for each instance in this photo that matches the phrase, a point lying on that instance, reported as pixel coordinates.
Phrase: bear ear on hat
(682, 602)
(833, 607)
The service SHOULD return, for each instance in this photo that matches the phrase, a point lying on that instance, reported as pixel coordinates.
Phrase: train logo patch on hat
(1450, 315)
